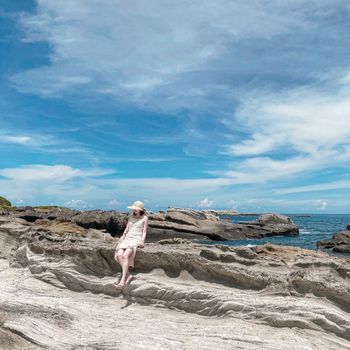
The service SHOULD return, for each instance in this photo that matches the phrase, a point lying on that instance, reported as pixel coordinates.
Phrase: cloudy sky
(219, 104)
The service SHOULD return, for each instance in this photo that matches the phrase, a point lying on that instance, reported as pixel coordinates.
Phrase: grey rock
(182, 223)
(289, 291)
(190, 224)
(114, 222)
(273, 218)
(340, 242)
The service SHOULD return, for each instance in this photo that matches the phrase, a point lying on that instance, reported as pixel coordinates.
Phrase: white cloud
(58, 173)
(19, 139)
(205, 203)
(163, 57)
(147, 51)
(28, 140)
(77, 204)
(306, 119)
(45, 142)
(232, 204)
(333, 185)
(87, 192)
(298, 130)
(159, 56)
(113, 202)
(54, 183)
(40, 173)
(322, 205)
(147, 159)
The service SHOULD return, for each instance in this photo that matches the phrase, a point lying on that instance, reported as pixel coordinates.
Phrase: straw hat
(137, 205)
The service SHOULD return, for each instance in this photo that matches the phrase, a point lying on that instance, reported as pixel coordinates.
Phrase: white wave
(305, 232)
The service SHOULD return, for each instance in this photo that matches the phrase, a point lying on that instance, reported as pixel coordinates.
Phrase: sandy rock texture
(57, 292)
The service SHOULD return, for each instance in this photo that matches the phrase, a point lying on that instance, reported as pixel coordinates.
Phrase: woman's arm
(125, 230)
(144, 231)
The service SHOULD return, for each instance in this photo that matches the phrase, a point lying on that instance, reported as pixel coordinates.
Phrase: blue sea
(313, 228)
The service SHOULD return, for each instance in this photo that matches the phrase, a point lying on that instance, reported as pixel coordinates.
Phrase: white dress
(133, 236)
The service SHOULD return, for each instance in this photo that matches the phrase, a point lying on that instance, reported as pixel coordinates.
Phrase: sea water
(313, 228)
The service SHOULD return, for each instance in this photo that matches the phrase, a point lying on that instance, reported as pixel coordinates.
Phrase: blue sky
(217, 104)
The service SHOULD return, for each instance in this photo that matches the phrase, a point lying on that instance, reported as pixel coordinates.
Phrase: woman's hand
(142, 244)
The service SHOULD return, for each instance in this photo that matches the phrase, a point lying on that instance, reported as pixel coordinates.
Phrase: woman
(133, 237)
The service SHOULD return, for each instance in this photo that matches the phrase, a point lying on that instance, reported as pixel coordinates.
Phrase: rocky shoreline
(57, 292)
(174, 223)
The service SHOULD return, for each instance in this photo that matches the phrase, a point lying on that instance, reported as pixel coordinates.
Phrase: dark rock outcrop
(112, 221)
(270, 225)
(193, 224)
(31, 214)
(189, 224)
(340, 243)
(182, 223)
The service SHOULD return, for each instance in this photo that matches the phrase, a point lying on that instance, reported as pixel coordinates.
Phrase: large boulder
(340, 242)
(273, 218)
(190, 224)
(112, 221)
(195, 224)
(270, 224)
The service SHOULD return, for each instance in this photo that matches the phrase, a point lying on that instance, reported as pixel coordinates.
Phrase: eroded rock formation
(301, 294)
(182, 223)
(195, 224)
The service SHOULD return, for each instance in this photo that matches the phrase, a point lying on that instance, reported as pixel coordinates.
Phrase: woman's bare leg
(118, 256)
(125, 265)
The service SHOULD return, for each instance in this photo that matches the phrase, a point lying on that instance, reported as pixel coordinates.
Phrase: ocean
(313, 228)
